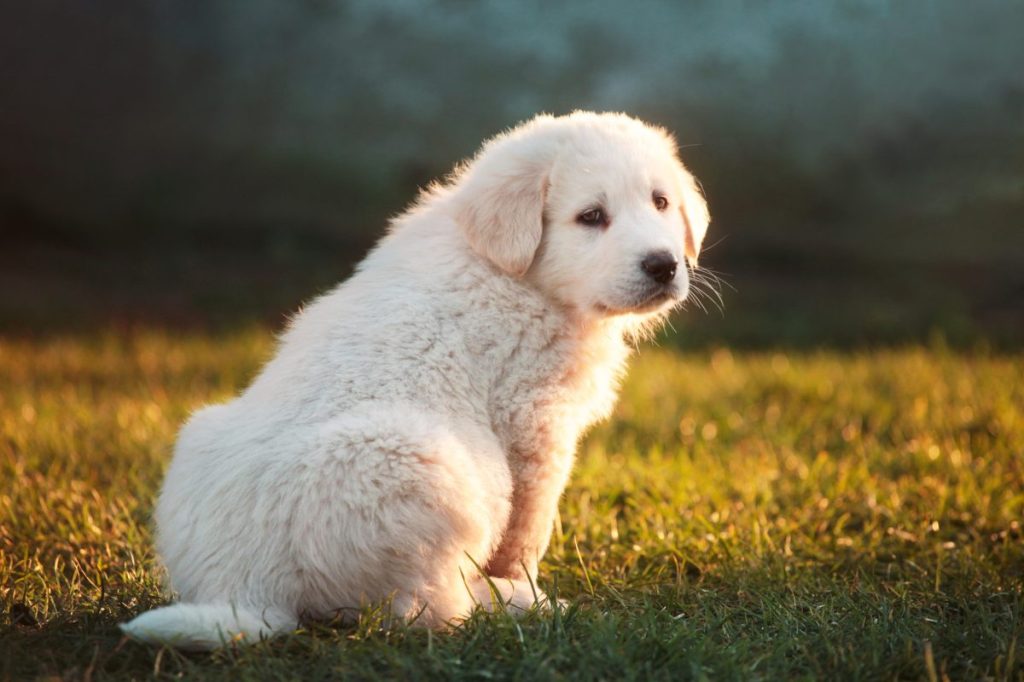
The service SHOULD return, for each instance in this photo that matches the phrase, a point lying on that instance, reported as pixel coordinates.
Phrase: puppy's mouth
(650, 301)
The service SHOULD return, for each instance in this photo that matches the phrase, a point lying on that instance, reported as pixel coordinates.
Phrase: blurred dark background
(212, 164)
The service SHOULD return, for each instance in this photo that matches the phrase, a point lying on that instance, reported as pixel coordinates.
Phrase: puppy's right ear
(499, 199)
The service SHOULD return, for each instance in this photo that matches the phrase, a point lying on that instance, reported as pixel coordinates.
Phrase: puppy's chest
(556, 396)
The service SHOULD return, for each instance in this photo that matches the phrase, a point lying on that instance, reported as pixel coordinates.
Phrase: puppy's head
(595, 210)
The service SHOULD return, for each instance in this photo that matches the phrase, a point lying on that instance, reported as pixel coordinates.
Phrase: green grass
(744, 516)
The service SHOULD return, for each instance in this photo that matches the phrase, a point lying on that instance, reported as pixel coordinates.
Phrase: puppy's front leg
(539, 483)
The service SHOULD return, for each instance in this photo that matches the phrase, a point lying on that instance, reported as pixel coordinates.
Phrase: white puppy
(420, 420)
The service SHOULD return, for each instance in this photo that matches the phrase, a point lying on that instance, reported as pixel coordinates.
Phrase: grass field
(813, 515)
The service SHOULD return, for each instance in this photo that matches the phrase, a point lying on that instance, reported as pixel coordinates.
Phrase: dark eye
(660, 202)
(592, 217)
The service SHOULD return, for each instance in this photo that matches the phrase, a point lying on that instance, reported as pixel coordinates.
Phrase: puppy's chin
(660, 300)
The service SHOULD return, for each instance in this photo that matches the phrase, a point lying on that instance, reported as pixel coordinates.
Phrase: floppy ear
(499, 201)
(695, 216)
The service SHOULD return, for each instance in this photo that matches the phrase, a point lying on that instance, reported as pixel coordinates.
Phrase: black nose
(660, 266)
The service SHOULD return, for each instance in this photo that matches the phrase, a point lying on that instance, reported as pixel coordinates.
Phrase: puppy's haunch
(418, 423)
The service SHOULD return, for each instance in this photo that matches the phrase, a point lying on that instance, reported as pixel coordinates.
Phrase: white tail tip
(202, 627)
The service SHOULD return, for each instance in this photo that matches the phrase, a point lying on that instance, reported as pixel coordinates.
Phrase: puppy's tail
(201, 627)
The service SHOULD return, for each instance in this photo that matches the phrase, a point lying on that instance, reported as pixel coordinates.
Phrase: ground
(744, 515)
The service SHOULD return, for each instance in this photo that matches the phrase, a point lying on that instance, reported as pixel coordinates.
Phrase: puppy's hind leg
(400, 502)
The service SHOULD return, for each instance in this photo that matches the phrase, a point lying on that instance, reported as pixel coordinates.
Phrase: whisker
(710, 283)
(708, 247)
(719, 277)
(696, 295)
(714, 294)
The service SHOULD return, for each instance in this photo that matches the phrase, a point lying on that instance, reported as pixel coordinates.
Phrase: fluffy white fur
(420, 420)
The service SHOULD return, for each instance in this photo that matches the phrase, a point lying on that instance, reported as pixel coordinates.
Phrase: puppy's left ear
(696, 216)
(499, 201)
